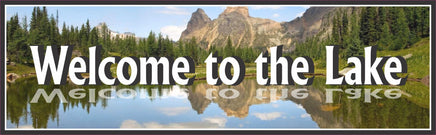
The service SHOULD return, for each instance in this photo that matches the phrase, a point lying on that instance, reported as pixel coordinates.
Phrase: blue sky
(168, 20)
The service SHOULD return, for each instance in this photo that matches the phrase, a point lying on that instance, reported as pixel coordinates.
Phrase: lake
(200, 105)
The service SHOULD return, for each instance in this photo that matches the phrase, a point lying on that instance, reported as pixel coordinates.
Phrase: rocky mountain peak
(200, 13)
(240, 10)
(245, 31)
(198, 20)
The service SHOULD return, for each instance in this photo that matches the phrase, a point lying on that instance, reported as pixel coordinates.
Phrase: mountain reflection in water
(202, 106)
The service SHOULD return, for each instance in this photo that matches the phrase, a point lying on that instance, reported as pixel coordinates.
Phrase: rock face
(246, 31)
(236, 23)
(11, 77)
(312, 21)
(198, 20)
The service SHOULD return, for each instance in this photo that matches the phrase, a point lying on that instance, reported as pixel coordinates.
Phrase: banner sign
(217, 67)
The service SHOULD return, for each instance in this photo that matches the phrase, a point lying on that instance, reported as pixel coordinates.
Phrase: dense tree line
(391, 28)
(44, 30)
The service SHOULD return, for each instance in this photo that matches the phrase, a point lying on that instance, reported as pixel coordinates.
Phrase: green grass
(419, 92)
(200, 71)
(114, 54)
(20, 69)
(418, 65)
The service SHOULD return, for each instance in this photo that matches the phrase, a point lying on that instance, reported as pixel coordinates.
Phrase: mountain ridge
(246, 31)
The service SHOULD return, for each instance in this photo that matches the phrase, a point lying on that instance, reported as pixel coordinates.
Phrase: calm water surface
(205, 106)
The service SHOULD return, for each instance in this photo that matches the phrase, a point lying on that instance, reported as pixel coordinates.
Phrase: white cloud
(299, 106)
(221, 122)
(266, 7)
(173, 111)
(305, 115)
(268, 116)
(213, 122)
(275, 105)
(153, 125)
(173, 32)
(130, 124)
(299, 14)
(306, 7)
(25, 127)
(275, 15)
(174, 11)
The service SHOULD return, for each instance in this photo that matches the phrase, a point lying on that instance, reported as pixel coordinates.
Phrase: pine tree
(413, 19)
(354, 47)
(93, 37)
(344, 26)
(104, 39)
(368, 31)
(381, 20)
(25, 25)
(152, 45)
(35, 31)
(425, 22)
(65, 35)
(169, 47)
(335, 30)
(17, 49)
(129, 46)
(53, 32)
(83, 41)
(180, 49)
(83, 37)
(401, 30)
(88, 28)
(385, 37)
(228, 49)
(159, 48)
(44, 36)
(192, 50)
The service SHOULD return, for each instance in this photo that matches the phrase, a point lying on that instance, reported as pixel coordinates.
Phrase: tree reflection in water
(343, 113)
